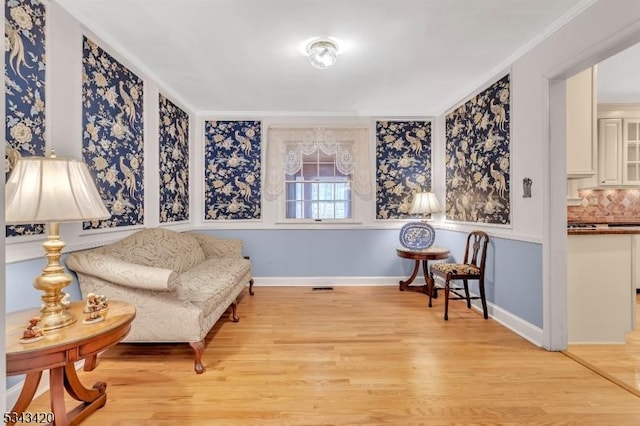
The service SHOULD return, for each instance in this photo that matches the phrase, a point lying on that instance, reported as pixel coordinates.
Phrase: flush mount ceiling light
(322, 53)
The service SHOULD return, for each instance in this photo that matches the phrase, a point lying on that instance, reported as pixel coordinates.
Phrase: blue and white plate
(417, 235)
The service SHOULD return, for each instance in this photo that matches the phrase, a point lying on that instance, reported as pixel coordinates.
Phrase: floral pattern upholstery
(124, 273)
(455, 269)
(217, 247)
(160, 248)
(193, 284)
(206, 291)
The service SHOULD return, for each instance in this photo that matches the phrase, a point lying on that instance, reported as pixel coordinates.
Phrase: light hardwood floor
(618, 362)
(353, 356)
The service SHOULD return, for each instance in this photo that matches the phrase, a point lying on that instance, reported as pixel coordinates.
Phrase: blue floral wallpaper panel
(112, 138)
(403, 166)
(174, 161)
(478, 157)
(24, 80)
(232, 170)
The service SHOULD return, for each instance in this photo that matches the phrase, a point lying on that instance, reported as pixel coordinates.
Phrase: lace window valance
(286, 148)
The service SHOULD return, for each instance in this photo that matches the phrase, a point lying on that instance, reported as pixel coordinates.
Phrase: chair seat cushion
(455, 269)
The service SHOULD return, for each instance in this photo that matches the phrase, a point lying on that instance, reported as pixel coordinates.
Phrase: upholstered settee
(180, 283)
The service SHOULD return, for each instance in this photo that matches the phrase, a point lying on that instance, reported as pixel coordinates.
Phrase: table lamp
(52, 190)
(420, 235)
(425, 203)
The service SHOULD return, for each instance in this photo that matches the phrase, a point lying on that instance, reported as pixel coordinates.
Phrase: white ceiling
(619, 77)
(398, 57)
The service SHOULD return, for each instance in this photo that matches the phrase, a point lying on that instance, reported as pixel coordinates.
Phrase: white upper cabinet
(610, 151)
(581, 124)
(631, 153)
(619, 151)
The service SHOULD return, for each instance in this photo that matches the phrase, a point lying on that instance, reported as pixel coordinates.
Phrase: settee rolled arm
(120, 272)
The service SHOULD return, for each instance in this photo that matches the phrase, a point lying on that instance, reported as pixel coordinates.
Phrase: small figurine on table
(95, 308)
(32, 333)
(66, 299)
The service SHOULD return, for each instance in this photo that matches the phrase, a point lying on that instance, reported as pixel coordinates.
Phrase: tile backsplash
(606, 205)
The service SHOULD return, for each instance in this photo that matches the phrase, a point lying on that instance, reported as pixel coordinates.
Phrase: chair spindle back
(476, 249)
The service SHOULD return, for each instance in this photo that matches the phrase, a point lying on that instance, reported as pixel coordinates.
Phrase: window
(317, 173)
(318, 190)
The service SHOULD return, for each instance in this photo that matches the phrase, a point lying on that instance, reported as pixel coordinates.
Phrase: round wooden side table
(57, 352)
(421, 256)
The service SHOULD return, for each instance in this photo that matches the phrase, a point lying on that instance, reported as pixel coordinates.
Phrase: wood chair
(472, 268)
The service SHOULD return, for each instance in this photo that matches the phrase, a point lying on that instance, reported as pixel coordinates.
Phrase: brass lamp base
(52, 321)
(53, 279)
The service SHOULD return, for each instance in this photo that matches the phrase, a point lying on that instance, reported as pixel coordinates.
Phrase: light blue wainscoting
(513, 274)
(322, 252)
(513, 279)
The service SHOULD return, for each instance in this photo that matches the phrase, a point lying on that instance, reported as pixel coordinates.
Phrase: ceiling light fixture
(322, 53)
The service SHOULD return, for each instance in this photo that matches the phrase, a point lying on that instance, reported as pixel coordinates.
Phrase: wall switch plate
(526, 187)
(593, 201)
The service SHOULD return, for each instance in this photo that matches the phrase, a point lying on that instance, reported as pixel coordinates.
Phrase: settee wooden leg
(198, 348)
(234, 311)
(251, 280)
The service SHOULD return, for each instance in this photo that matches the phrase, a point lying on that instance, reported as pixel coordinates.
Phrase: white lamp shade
(425, 203)
(52, 189)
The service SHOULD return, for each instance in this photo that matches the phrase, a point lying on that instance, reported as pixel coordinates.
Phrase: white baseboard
(325, 281)
(516, 324)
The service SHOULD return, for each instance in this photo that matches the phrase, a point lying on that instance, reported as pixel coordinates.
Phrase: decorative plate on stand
(417, 235)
